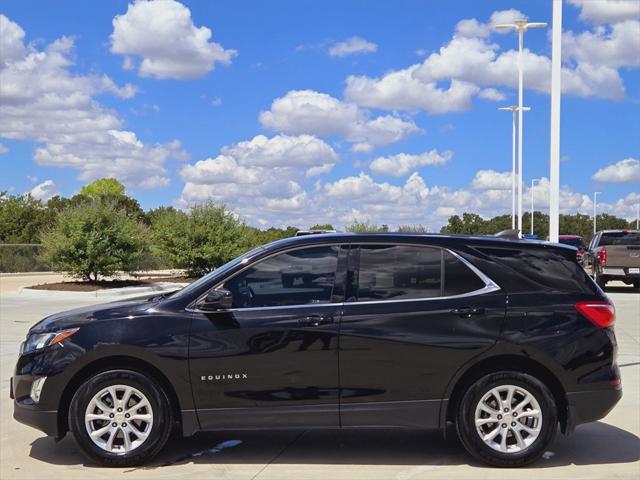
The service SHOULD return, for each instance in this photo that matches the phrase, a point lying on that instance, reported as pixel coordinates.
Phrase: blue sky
(304, 112)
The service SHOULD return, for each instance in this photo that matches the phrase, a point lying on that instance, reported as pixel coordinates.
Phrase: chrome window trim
(490, 285)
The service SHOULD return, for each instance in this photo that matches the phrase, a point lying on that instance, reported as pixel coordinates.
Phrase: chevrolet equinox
(507, 340)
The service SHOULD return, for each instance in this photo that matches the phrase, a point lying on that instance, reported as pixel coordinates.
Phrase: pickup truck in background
(614, 255)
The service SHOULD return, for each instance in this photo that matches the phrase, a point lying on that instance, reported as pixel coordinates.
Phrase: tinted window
(458, 278)
(296, 277)
(574, 242)
(544, 270)
(209, 277)
(389, 272)
(619, 238)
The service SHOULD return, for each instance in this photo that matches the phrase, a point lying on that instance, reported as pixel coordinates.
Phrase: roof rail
(513, 233)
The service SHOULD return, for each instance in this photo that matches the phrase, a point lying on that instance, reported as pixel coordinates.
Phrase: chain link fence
(26, 257)
(22, 257)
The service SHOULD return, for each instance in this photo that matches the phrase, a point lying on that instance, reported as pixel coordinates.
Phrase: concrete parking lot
(603, 450)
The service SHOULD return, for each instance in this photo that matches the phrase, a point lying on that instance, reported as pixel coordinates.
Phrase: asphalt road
(609, 449)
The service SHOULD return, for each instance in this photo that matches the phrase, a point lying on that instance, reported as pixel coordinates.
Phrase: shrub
(95, 239)
(203, 239)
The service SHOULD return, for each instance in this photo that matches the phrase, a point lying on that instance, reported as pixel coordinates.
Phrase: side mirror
(218, 299)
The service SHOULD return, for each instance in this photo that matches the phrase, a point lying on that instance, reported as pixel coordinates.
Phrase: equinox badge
(227, 376)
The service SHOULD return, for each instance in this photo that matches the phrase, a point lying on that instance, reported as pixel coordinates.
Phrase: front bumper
(589, 406)
(26, 411)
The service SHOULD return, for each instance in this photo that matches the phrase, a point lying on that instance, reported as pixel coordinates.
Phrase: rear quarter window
(529, 269)
(458, 278)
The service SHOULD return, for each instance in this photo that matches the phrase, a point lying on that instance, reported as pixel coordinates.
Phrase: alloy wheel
(508, 418)
(119, 419)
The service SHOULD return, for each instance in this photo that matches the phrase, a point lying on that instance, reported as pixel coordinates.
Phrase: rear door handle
(467, 312)
(315, 320)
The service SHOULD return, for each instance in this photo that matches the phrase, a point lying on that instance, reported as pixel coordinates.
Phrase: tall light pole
(533, 182)
(513, 109)
(595, 209)
(554, 143)
(520, 26)
(637, 216)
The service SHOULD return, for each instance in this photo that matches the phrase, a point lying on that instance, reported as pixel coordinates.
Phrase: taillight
(602, 256)
(601, 313)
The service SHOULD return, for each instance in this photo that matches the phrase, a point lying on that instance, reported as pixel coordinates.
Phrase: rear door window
(398, 272)
(403, 272)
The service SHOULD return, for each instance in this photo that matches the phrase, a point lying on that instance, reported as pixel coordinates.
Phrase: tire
(148, 426)
(600, 280)
(509, 453)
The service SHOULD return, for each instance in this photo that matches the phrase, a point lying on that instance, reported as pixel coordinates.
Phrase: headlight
(37, 341)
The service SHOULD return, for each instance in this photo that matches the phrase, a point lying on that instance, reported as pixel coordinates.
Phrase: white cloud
(491, 180)
(221, 169)
(403, 163)
(400, 90)
(163, 35)
(320, 170)
(311, 112)
(471, 27)
(261, 171)
(476, 61)
(59, 112)
(607, 11)
(351, 46)
(615, 47)
(3, 149)
(282, 151)
(624, 171)
(470, 64)
(492, 94)
(44, 191)
(445, 211)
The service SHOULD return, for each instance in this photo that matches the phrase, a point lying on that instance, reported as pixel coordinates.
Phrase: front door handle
(467, 312)
(315, 320)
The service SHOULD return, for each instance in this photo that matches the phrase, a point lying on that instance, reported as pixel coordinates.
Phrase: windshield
(620, 238)
(574, 242)
(218, 271)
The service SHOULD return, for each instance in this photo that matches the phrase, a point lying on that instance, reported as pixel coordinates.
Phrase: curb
(109, 292)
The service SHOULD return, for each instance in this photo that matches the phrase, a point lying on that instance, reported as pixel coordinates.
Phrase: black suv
(504, 339)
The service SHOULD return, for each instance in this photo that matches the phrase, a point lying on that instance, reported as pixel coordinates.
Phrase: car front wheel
(120, 418)
(507, 419)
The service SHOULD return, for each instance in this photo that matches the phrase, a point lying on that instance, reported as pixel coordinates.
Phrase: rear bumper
(589, 406)
(620, 272)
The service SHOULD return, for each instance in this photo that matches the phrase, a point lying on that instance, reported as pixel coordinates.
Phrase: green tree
(366, 227)
(205, 238)
(22, 218)
(112, 191)
(95, 240)
(325, 226)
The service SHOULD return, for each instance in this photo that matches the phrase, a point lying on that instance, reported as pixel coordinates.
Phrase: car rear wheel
(507, 419)
(120, 418)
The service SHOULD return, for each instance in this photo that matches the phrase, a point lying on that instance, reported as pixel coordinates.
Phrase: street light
(513, 109)
(533, 182)
(520, 26)
(595, 211)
